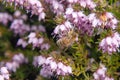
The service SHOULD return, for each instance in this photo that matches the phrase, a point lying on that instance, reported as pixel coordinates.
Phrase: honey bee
(103, 17)
(68, 39)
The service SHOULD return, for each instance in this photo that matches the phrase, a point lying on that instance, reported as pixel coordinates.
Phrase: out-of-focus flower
(12, 66)
(39, 28)
(17, 60)
(108, 78)
(110, 44)
(84, 3)
(45, 46)
(19, 15)
(1, 77)
(22, 42)
(4, 74)
(38, 61)
(33, 6)
(5, 18)
(56, 6)
(37, 42)
(19, 27)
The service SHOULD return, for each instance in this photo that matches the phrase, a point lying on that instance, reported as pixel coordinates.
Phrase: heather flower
(108, 20)
(32, 35)
(39, 28)
(4, 74)
(108, 78)
(45, 46)
(56, 6)
(1, 77)
(101, 71)
(110, 44)
(46, 72)
(50, 67)
(38, 60)
(61, 30)
(3, 70)
(5, 18)
(37, 42)
(82, 22)
(94, 20)
(22, 42)
(100, 74)
(12, 66)
(33, 6)
(17, 60)
(17, 14)
(84, 3)
(18, 27)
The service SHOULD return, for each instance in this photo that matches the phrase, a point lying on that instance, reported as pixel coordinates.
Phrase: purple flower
(22, 42)
(12, 66)
(56, 6)
(100, 74)
(17, 60)
(19, 27)
(63, 28)
(38, 60)
(50, 67)
(33, 6)
(110, 44)
(84, 3)
(4, 74)
(5, 18)
(37, 42)
(1, 77)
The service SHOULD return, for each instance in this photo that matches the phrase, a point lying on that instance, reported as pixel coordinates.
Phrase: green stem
(85, 75)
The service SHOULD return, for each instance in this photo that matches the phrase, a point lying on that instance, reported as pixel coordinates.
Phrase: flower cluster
(18, 15)
(56, 6)
(76, 20)
(33, 6)
(105, 20)
(80, 20)
(18, 27)
(84, 3)
(62, 29)
(5, 18)
(50, 67)
(4, 74)
(100, 74)
(108, 20)
(37, 41)
(86, 24)
(17, 60)
(22, 42)
(110, 44)
(39, 28)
